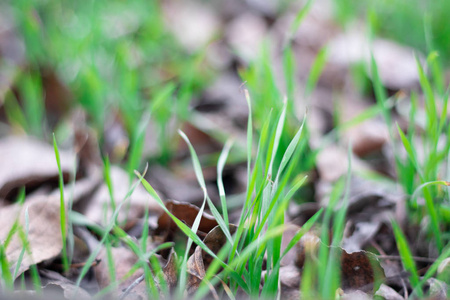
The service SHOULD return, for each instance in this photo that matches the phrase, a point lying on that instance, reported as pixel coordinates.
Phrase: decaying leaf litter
(112, 238)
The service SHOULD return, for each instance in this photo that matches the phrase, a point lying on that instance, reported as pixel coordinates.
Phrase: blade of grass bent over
(220, 165)
(201, 181)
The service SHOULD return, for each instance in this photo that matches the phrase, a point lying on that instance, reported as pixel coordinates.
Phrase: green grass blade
(6, 278)
(290, 150)
(304, 229)
(380, 91)
(249, 135)
(199, 174)
(62, 211)
(406, 256)
(108, 181)
(274, 146)
(300, 16)
(316, 70)
(220, 165)
(410, 151)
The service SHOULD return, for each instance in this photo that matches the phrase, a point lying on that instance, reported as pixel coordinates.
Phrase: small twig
(377, 247)
(396, 257)
(80, 264)
(416, 258)
(131, 287)
(405, 288)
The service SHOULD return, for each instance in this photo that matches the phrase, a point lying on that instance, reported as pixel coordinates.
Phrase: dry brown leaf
(115, 138)
(199, 262)
(170, 271)
(368, 136)
(12, 51)
(396, 64)
(332, 163)
(388, 293)
(290, 276)
(287, 236)
(124, 260)
(360, 271)
(192, 23)
(81, 189)
(307, 248)
(64, 290)
(215, 240)
(437, 289)
(44, 235)
(187, 213)
(133, 208)
(27, 161)
(245, 34)
(196, 270)
(356, 295)
(200, 139)
(58, 98)
(173, 185)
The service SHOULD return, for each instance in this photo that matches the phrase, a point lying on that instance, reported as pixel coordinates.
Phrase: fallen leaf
(245, 34)
(58, 98)
(12, 51)
(25, 161)
(196, 270)
(366, 137)
(437, 289)
(388, 293)
(215, 240)
(124, 260)
(115, 138)
(199, 262)
(290, 276)
(332, 163)
(186, 213)
(81, 189)
(361, 235)
(202, 142)
(133, 207)
(64, 290)
(44, 235)
(360, 271)
(307, 248)
(396, 64)
(192, 23)
(355, 295)
(170, 271)
(173, 185)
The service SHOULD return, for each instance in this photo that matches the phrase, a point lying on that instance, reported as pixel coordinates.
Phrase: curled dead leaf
(307, 248)
(124, 260)
(64, 290)
(187, 213)
(388, 293)
(360, 271)
(170, 272)
(196, 270)
(133, 208)
(199, 262)
(44, 237)
(215, 240)
(19, 166)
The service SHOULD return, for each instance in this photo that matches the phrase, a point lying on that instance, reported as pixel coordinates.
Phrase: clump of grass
(259, 230)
